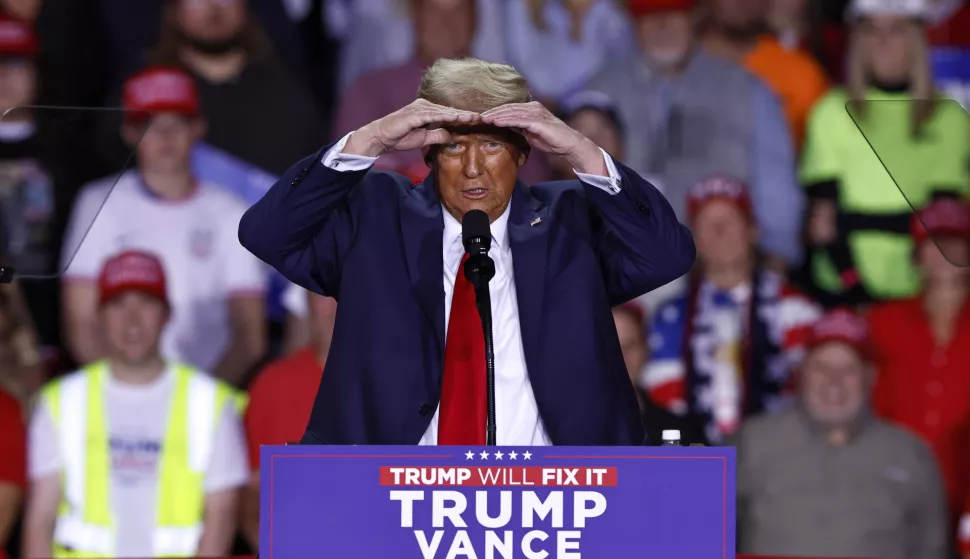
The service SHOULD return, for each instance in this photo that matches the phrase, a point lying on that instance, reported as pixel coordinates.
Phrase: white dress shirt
(516, 413)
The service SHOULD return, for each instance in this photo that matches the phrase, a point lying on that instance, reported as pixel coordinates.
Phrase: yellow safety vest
(85, 525)
(883, 171)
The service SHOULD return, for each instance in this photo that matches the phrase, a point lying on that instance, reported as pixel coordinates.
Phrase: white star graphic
(498, 454)
(469, 455)
(484, 455)
(512, 455)
(527, 455)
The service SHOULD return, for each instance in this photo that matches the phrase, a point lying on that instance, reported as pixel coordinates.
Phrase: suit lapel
(528, 238)
(421, 228)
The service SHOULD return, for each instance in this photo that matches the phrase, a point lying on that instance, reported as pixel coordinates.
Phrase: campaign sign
(413, 502)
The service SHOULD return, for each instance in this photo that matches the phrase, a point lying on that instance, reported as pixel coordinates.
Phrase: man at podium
(408, 360)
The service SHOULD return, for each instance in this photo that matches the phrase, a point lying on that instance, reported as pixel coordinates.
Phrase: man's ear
(523, 157)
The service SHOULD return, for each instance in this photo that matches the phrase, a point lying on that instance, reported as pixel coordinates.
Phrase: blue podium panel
(408, 502)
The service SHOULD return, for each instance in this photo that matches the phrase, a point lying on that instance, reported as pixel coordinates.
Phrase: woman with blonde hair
(874, 150)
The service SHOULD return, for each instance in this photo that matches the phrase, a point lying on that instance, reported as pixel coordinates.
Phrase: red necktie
(462, 417)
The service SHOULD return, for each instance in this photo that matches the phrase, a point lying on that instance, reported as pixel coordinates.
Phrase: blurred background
(819, 150)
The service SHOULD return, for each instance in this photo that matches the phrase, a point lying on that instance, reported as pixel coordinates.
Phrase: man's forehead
(482, 131)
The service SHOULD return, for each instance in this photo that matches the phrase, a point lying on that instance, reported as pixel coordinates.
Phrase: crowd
(819, 151)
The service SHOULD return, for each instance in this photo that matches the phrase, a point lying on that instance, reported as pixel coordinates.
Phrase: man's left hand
(547, 133)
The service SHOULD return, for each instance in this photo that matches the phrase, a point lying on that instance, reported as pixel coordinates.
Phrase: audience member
(827, 479)
(13, 450)
(217, 287)
(689, 115)
(801, 24)
(26, 192)
(256, 108)
(281, 399)
(28, 201)
(630, 323)
(721, 351)
(26, 215)
(376, 34)
(923, 347)
(738, 30)
(859, 219)
(559, 44)
(137, 488)
(104, 41)
(443, 29)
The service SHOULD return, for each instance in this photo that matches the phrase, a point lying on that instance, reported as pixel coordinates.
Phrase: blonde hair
(921, 91)
(473, 85)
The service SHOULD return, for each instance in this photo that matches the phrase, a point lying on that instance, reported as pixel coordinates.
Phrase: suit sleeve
(304, 224)
(640, 244)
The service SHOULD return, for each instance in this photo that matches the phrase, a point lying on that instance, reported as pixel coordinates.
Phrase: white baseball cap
(916, 9)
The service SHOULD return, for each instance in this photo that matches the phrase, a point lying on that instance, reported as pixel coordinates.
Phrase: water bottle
(670, 437)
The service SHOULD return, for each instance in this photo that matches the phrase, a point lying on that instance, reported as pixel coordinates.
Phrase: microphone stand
(479, 270)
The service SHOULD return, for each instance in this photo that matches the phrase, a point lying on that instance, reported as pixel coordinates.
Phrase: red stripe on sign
(485, 476)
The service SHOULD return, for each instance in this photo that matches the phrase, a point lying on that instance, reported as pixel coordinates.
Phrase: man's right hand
(412, 127)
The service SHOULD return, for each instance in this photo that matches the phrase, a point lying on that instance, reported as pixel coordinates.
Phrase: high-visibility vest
(86, 522)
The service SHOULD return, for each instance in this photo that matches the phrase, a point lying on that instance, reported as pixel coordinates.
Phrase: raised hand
(547, 133)
(412, 127)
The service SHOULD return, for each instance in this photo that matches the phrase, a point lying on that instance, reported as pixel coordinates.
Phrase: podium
(410, 502)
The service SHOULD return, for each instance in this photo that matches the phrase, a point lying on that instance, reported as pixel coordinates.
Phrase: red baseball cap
(840, 325)
(647, 7)
(132, 271)
(718, 187)
(16, 38)
(160, 89)
(942, 218)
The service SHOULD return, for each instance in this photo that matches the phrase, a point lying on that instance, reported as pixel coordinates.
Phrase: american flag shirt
(718, 360)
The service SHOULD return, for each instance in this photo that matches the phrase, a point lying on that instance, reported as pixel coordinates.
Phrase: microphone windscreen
(474, 225)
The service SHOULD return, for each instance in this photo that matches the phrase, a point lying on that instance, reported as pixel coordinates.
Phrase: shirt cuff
(610, 184)
(346, 162)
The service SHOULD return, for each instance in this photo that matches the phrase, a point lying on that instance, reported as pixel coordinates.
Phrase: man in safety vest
(133, 456)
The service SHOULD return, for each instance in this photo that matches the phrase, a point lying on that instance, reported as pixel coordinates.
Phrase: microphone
(476, 236)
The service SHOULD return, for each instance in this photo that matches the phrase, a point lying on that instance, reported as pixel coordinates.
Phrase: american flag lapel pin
(535, 221)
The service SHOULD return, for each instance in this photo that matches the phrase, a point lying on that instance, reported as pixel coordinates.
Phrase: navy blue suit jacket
(373, 241)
